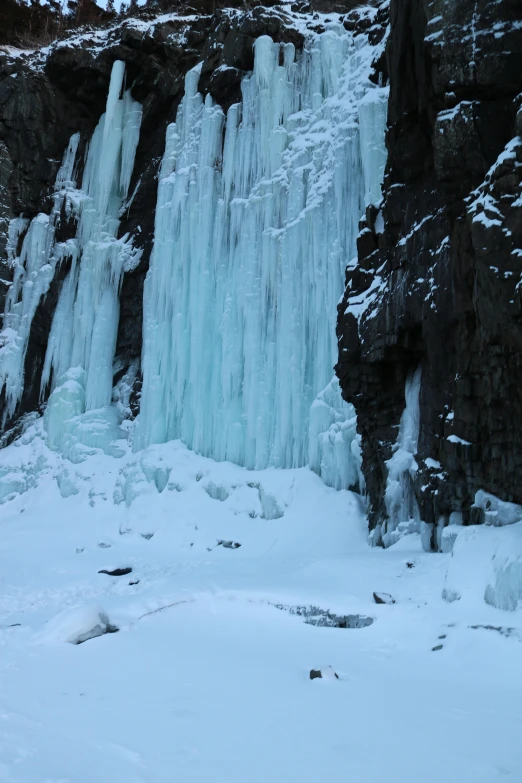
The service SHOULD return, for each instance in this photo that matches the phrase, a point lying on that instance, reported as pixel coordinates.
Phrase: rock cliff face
(438, 280)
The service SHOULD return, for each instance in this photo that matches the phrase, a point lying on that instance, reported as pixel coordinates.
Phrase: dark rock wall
(440, 284)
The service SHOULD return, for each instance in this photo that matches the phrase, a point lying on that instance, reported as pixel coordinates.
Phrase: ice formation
(33, 271)
(401, 504)
(486, 562)
(257, 216)
(497, 512)
(85, 324)
(252, 238)
(82, 342)
(333, 441)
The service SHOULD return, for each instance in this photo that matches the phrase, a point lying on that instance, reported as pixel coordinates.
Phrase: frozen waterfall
(82, 342)
(33, 271)
(401, 504)
(257, 216)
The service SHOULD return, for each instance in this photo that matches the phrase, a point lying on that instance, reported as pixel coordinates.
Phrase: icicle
(59, 345)
(401, 504)
(373, 111)
(33, 271)
(251, 242)
(85, 323)
(17, 227)
(132, 114)
(334, 448)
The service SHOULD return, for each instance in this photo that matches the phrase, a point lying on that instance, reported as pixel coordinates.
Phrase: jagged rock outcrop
(438, 278)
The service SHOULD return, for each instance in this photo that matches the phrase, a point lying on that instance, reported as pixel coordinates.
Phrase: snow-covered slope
(208, 677)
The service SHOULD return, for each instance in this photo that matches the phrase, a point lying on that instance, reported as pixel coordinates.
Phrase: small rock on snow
(116, 571)
(327, 673)
(383, 598)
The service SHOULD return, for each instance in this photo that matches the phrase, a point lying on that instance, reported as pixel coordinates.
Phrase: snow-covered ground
(207, 680)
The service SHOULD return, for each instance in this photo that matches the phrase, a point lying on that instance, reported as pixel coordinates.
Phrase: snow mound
(486, 563)
(497, 512)
(76, 625)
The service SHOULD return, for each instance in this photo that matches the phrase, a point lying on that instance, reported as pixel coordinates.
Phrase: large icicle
(401, 504)
(33, 271)
(373, 111)
(251, 241)
(84, 330)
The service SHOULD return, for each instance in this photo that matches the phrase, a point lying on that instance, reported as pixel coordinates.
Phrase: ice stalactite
(400, 500)
(373, 111)
(334, 451)
(252, 238)
(82, 341)
(33, 271)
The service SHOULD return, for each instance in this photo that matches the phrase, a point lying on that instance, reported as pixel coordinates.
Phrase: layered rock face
(437, 284)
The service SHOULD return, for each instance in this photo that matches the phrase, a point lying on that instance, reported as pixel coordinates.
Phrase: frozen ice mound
(486, 564)
(76, 625)
(170, 467)
(505, 588)
(497, 512)
(67, 483)
(19, 471)
(77, 434)
(334, 452)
